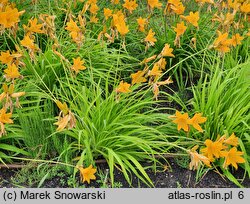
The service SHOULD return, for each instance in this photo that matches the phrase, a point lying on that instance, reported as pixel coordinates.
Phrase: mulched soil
(177, 177)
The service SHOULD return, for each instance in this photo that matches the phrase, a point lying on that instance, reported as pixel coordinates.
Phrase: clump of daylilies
(115, 21)
(11, 61)
(227, 21)
(222, 148)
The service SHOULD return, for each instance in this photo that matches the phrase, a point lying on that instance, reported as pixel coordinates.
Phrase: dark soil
(176, 177)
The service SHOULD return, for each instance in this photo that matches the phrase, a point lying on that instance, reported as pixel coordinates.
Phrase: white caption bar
(122, 195)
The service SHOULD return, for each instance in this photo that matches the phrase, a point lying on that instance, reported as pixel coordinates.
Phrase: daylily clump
(11, 62)
(223, 148)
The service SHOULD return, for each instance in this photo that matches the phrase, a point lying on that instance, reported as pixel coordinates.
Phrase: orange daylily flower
(181, 120)
(213, 149)
(141, 23)
(87, 174)
(154, 4)
(72, 26)
(12, 72)
(4, 2)
(118, 17)
(122, 28)
(236, 39)
(150, 38)
(123, 87)
(33, 27)
(192, 18)
(131, 5)
(197, 120)
(107, 13)
(180, 29)
(93, 8)
(176, 6)
(138, 77)
(222, 43)
(234, 4)
(77, 65)
(232, 140)
(9, 17)
(156, 71)
(232, 157)
(6, 57)
(92, 1)
(245, 8)
(28, 43)
(162, 63)
(167, 51)
(4, 119)
(179, 9)
(75, 31)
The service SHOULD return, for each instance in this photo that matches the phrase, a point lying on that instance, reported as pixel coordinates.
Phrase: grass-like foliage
(123, 129)
(223, 96)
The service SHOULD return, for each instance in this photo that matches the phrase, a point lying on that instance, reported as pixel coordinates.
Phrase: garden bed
(177, 177)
